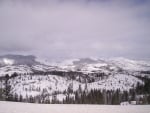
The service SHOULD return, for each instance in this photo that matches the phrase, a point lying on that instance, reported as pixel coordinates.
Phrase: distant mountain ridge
(85, 65)
(18, 60)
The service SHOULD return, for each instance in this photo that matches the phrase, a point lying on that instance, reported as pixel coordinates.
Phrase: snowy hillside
(92, 65)
(20, 69)
(22, 65)
(114, 82)
(131, 65)
(36, 78)
(35, 85)
(27, 64)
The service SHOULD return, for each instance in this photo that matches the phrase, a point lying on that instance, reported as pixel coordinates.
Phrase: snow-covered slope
(36, 85)
(22, 65)
(118, 81)
(131, 65)
(114, 65)
(28, 85)
(20, 69)
(93, 73)
(11, 63)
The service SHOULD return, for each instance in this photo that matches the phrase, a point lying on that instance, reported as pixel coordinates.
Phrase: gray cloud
(62, 29)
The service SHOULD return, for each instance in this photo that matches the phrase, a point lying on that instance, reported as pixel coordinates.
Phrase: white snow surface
(20, 69)
(114, 82)
(43, 68)
(133, 65)
(6, 61)
(16, 107)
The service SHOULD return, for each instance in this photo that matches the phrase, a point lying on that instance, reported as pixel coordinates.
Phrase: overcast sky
(76, 28)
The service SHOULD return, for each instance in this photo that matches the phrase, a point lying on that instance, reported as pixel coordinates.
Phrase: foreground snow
(14, 107)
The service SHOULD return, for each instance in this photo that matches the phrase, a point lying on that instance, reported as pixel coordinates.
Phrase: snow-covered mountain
(36, 77)
(22, 65)
(17, 60)
(89, 65)
(29, 64)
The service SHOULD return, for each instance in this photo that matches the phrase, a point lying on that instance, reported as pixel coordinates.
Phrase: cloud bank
(83, 28)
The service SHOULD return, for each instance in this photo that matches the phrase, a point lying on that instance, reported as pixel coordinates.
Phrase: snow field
(16, 107)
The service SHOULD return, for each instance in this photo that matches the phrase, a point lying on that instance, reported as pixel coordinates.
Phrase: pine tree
(1, 94)
(20, 98)
(8, 96)
(16, 97)
(116, 98)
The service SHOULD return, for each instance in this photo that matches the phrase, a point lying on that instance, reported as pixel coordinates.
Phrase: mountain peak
(17, 60)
